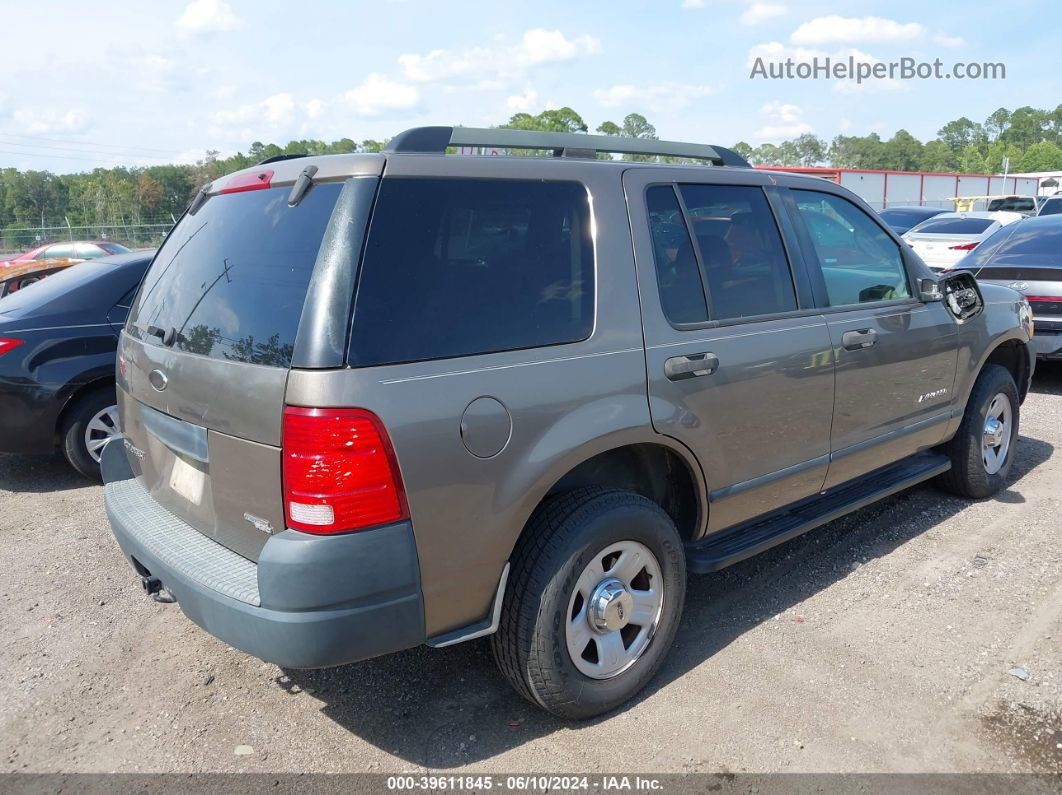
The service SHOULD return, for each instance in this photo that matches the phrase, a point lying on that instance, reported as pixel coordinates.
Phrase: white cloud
(378, 94)
(526, 102)
(207, 15)
(782, 121)
(490, 67)
(949, 41)
(313, 108)
(660, 97)
(275, 112)
(836, 29)
(693, 3)
(47, 122)
(775, 51)
(761, 12)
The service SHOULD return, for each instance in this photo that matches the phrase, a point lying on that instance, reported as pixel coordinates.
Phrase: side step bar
(745, 540)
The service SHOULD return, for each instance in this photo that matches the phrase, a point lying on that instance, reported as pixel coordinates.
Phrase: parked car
(379, 400)
(1027, 257)
(31, 267)
(946, 238)
(1026, 205)
(72, 250)
(901, 219)
(57, 358)
(1050, 205)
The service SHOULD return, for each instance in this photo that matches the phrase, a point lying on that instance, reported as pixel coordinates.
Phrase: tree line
(1029, 137)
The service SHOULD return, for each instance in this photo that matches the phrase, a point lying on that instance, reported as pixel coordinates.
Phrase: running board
(745, 540)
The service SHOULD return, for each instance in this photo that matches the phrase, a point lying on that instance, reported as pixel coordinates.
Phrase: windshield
(230, 281)
(1015, 203)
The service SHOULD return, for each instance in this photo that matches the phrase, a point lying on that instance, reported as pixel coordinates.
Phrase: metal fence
(15, 239)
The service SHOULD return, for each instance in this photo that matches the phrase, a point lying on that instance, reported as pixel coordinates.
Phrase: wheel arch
(75, 392)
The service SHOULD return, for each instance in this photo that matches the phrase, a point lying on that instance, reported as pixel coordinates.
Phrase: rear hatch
(1041, 285)
(204, 358)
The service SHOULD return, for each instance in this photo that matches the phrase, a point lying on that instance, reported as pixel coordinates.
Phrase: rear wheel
(982, 450)
(593, 604)
(89, 424)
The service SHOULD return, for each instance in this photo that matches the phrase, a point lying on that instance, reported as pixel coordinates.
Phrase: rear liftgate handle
(679, 367)
(857, 340)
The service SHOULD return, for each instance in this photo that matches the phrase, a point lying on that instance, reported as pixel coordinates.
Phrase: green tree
(1043, 156)
(996, 124)
(902, 152)
(809, 150)
(959, 134)
(972, 161)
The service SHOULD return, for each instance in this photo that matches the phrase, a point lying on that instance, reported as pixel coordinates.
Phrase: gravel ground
(921, 634)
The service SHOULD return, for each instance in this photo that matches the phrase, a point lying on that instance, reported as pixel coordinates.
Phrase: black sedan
(902, 219)
(57, 356)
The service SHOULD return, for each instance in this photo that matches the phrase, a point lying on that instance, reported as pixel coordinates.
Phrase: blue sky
(86, 85)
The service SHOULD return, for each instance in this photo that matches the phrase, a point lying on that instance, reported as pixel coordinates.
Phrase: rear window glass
(1029, 242)
(231, 279)
(1051, 207)
(113, 248)
(953, 226)
(455, 267)
(1021, 204)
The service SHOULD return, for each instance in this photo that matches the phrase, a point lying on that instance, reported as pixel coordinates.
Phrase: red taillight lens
(1049, 299)
(340, 471)
(255, 180)
(7, 344)
(963, 247)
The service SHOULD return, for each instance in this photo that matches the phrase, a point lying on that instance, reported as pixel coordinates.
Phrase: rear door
(205, 355)
(895, 356)
(739, 361)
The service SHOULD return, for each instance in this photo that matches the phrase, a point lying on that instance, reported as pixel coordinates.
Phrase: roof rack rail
(435, 140)
(278, 158)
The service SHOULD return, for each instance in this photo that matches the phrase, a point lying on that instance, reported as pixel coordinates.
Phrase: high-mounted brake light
(253, 180)
(340, 471)
(963, 247)
(8, 343)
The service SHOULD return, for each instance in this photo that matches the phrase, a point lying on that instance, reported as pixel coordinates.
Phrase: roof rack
(435, 140)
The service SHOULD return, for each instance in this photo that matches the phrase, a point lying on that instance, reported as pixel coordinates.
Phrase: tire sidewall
(647, 525)
(74, 424)
(997, 381)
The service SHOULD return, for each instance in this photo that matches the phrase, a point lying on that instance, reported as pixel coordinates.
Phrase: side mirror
(962, 296)
(929, 291)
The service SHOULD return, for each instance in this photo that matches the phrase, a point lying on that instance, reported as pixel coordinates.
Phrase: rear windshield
(953, 226)
(455, 267)
(1017, 204)
(114, 248)
(1030, 242)
(1051, 207)
(66, 287)
(231, 279)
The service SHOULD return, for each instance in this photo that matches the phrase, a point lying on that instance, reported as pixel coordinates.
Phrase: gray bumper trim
(179, 547)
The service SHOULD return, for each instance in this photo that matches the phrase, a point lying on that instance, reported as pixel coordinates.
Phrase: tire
(542, 615)
(973, 475)
(76, 425)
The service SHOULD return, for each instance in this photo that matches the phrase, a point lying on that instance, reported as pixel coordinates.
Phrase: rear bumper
(309, 602)
(28, 415)
(1047, 344)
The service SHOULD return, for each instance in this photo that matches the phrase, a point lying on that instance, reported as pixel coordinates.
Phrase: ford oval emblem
(158, 380)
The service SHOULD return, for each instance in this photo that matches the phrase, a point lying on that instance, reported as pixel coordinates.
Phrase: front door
(895, 356)
(740, 369)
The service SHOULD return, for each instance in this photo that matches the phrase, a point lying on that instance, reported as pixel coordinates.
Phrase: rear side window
(231, 279)
(1051, 207)
(860, 263)
(953, 226)
(681, 293)
(455, 267)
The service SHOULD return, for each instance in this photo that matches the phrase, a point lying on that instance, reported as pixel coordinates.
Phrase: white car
(944, 239)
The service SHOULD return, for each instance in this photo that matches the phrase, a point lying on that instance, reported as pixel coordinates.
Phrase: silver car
(945, 239)
(382, 400)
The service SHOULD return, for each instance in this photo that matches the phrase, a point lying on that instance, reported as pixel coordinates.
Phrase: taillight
(963, 247)
(340, 471)
(8, 343)
(255, 180)
(1050, 299)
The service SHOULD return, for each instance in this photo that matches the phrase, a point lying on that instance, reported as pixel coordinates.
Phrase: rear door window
(455, 267)
(677, 274)
(231, 279)
(860, 262)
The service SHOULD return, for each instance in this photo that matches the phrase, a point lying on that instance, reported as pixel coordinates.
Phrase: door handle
(679, 367)
(857, 340)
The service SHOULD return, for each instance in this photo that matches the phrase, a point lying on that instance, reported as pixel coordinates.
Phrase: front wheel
(593, 604)
(982, 450)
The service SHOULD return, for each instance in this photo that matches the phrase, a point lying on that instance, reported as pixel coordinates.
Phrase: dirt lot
(881, 642)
